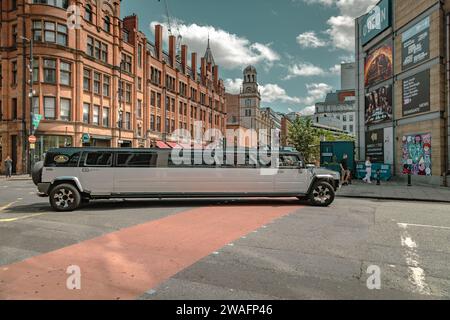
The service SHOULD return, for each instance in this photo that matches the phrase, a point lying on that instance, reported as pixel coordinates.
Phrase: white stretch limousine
(73, 176)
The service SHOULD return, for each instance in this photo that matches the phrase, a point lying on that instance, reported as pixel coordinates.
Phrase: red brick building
(79, 70)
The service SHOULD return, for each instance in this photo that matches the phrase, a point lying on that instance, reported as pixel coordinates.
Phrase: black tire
(36, 172)
(322, 194)
(65, 198)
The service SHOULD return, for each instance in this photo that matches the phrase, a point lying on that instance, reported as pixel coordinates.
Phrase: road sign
(32, 139)
(86, 138)
(36, 121)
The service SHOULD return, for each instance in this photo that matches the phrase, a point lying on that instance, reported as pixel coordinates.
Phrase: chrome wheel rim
(322, 194)
(64, 198)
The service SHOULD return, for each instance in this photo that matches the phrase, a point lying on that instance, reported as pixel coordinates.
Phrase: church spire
(208, 54)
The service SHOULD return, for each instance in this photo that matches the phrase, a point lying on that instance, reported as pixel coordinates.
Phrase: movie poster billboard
(416, 44)
(379, 105)
(378, 65)
(416, 93)
(416, 156)
(375, 145)
(375, 21)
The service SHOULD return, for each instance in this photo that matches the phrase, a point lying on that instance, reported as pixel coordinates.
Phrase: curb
(393, 198)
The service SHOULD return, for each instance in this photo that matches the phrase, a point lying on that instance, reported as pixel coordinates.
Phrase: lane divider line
(423, 226)
(416, 273)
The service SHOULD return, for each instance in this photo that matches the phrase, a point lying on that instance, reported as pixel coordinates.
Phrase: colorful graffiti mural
(417, 154)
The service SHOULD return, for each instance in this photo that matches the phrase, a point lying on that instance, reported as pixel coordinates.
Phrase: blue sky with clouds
(296, 45)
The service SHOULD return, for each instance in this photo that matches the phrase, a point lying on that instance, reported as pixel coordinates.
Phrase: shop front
(46, 142)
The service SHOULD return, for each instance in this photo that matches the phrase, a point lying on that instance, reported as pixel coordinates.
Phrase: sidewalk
(395, 190)
(16, 178)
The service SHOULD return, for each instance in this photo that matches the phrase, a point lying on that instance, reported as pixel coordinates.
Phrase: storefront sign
(375, 145)
(375, 21)
(86, 138)
(416, 44)
(379, 105)
(417, 154)
(416, 93)
(378, 64)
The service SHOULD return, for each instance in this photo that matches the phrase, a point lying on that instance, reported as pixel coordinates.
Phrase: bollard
(378, 177)
(409, 180)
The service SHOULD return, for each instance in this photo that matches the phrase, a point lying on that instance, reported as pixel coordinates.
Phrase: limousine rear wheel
(322, 194)
(65, 197)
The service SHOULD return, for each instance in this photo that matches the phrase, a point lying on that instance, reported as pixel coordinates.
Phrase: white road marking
(404, 225)
(22, 218)
(417, 274)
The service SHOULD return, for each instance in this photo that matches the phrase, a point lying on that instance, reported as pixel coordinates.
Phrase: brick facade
(77, 77)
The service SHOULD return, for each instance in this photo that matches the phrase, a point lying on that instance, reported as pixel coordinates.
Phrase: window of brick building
(14, 34)
(49, 108)
(86, 112)
(158, 123)
(64, 4)
(96, 115)
(106, 86)
(87, 80)
(152, 122)
(14, 110)
(128, 120)
(139, 109)
(128, 93)
(14, 73)
(153, 98)
(49, 71)
(36, 70)
(65, 109)
(88, 13)
(65, 73)
(97, 83)
(107, 24)
(105, 117)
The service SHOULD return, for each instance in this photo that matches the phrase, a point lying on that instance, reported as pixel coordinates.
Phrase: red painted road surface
(126, 263)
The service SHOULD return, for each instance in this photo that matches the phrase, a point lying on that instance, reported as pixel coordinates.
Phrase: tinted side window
(99, 159)
(289, 161)
(133, 160)
(64, 160)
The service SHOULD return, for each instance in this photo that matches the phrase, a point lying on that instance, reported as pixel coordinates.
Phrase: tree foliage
(306, 138)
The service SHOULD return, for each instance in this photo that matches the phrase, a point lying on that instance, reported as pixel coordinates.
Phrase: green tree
(304, 137)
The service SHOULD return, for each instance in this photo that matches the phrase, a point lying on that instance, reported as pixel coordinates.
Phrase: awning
(161, 145)
(173, 145)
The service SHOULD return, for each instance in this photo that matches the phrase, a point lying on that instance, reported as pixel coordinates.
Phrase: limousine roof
(87, 149)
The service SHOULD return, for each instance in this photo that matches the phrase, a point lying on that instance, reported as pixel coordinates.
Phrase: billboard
(417, 154)
(375, 21)
(378, 64)
(416, 44)
(379, 105)
(375, 145)
(416, 93)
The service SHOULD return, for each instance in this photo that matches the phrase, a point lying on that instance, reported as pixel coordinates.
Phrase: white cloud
(342, 27)
(273, 92)
(233, 85)
(336, 69)
(230, 50)
(310, 70)
(310, 40)
(316, 92)
(304, 70)
(308, 111)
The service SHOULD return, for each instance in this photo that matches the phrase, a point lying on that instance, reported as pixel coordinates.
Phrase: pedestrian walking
(345, 173)
(8, 167)
(368, 171)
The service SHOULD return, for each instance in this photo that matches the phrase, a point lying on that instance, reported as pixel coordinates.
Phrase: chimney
(172, 50)
(158, 41)
(130, 24)
(216, 77)
(184, 50)
(203, 70)
(194, 65)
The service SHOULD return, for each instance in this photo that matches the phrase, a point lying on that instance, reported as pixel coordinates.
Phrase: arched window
(88, 13)
(107, 24)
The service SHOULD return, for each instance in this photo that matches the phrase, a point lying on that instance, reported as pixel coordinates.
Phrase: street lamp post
(30, 151)
(119, 121)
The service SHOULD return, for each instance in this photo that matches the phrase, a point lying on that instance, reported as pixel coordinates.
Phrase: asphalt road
(222, 249)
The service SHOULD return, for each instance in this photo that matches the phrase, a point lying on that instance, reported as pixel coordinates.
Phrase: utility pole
(29, 153)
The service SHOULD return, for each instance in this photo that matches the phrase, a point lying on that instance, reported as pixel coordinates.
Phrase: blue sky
(296, 45)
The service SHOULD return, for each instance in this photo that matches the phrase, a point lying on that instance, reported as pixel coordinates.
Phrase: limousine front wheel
(322, 194)
(65, 197)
